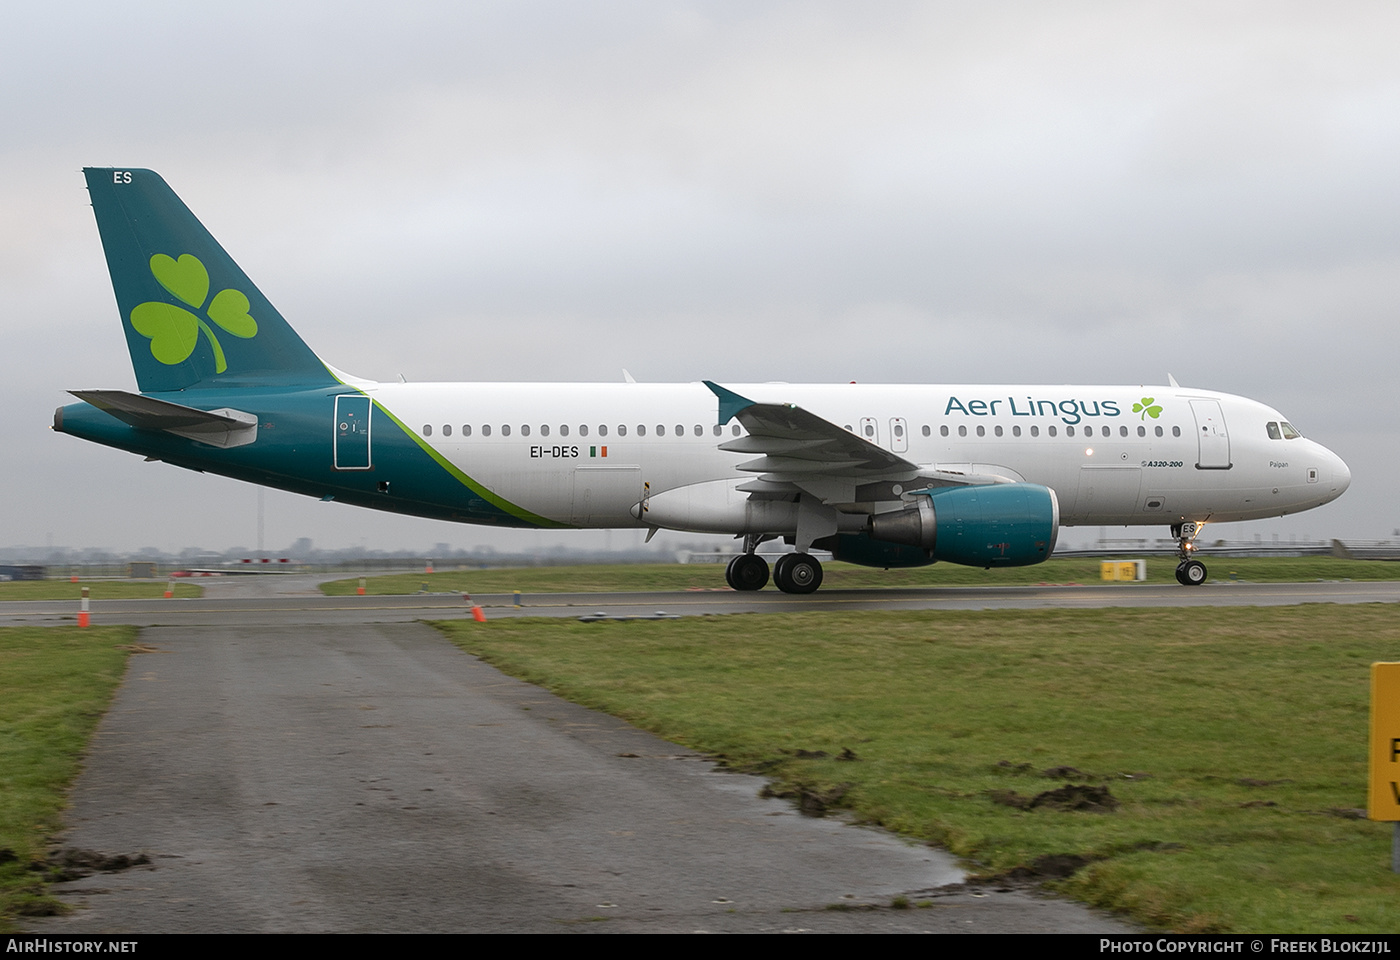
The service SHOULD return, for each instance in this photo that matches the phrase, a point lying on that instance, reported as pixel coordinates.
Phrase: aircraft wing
(798, 450)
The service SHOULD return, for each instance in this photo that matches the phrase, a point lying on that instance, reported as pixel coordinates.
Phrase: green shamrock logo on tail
(174, 331)
(1148, 408)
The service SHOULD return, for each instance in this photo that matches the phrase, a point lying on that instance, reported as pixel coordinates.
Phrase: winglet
(730, 403)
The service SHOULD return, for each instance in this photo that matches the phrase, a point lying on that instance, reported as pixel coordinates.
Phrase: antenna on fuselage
(1171, 381)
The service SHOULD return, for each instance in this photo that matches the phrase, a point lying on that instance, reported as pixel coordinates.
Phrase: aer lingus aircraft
(883, 475)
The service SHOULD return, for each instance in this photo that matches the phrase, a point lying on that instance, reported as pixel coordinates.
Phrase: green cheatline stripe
(500, 503)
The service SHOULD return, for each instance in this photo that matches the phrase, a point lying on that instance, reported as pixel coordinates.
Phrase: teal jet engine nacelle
(996, 525)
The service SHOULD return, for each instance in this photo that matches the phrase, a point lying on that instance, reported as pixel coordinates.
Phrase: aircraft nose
(1341, 476)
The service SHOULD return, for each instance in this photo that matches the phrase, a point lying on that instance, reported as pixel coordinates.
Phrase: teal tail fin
(192, 317)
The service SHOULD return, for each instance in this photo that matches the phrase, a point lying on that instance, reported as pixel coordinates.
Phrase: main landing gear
(797, 573)
(747, 571)
(792, 573)
(1190, 572)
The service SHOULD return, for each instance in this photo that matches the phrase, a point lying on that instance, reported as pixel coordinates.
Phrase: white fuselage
(586, 454)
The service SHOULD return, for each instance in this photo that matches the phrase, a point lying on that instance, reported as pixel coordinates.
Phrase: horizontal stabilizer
(218, 428)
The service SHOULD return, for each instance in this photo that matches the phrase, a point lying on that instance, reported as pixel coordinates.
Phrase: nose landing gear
(1190, 572)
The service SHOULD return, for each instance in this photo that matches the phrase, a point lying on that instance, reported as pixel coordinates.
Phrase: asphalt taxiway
(284, 600)
(374, 778)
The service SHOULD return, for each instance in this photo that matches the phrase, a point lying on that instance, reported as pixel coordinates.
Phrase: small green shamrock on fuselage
(1148, 408)
(174, 331)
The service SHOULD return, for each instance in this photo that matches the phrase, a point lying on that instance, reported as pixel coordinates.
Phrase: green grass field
(97, 590)
(1233, 740)
(55, 684)
(702, 576)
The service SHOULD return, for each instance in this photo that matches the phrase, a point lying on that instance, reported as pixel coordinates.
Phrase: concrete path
(371, 777)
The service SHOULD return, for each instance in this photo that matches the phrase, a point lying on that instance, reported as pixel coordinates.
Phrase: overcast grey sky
(906, 192)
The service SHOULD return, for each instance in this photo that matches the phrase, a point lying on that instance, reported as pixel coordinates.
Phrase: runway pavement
(282, 600)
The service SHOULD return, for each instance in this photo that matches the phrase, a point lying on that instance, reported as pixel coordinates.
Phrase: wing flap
(799, 450)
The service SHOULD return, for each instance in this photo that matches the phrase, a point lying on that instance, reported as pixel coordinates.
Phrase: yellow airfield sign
(1383, 800)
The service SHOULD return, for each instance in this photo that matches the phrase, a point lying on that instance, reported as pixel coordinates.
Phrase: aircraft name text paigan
(1070, 411)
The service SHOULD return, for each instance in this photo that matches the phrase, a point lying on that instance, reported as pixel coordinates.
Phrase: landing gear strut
(747, 571)
(1190, 572)
(797, 573)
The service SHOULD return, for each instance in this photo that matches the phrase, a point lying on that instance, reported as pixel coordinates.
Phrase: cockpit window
(1288, 432)
(1273, 431)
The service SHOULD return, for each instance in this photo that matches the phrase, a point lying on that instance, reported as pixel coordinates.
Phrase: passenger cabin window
(661, 429)
(718, 429)
(962, 431)
(699, 430)
(563, 429)
(927, 431)
(641, 430)
(583, 429)
(427, 429)
(734, 429)
(622, 429)
(602, 430)
(447, 429)
(505, 430)
(981, 430)
(544, 429)
(1035, 431)
(1016, 430)
(943, 430)
(1158, 431)
(524, 429)
(998, 431)
(1176, 431)
(486, 429)
(680, 429)
(1142, 431)
(1122, 431)
(466, 429)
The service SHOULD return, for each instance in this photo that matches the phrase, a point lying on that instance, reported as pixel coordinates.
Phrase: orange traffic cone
(477, 614)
